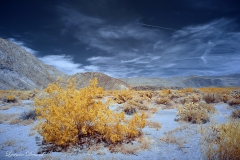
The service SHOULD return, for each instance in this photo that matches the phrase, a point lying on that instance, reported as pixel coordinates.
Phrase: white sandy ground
(16, 143)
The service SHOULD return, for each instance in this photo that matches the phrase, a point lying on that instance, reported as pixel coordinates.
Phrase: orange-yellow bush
(221, 141)
(11, 97)
(121, 96)
(70, 114)
(219, 90)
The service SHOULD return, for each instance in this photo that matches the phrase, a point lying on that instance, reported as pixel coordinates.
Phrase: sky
(128, 38)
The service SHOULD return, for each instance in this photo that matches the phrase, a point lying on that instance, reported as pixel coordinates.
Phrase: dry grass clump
(147, 95)
(150, 112)
(164, 92)
(221, 141)
(122, 96)
(155, 125)
(211, 98)
(209, 107)
(22, 122)
(10, 143)
(164, 100)
(194, 113)
(124, 148)
(233, 102)
(170, 138)
(139, 106)
(236, 113)
(5, 118)
(31, 114)
(178, 129)
(143, 143)
(129, 109)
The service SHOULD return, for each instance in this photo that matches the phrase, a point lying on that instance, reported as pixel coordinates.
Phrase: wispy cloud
(130, 49)
(23, 45)
(63, 63)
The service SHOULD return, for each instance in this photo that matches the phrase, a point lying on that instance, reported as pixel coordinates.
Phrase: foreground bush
(71, 116)
(222, 141)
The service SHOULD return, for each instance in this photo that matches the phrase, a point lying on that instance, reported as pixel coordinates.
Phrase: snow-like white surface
(25, 146)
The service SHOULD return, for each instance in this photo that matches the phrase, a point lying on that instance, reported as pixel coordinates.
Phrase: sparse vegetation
(195, 112)
(81, 118)
(155, 125)
(221, 141)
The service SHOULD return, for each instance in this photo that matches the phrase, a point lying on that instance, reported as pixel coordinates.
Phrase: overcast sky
(128, 38)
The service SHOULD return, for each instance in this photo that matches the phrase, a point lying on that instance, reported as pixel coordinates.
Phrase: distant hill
(22, 70)
(189, 81)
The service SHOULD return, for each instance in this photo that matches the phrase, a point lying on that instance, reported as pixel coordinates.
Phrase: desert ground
(187, 123)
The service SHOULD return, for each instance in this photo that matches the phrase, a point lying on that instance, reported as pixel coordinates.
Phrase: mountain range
(22, 70)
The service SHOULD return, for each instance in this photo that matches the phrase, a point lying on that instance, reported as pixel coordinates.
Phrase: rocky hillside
(189, 81)
(103, 80)
(22, 70)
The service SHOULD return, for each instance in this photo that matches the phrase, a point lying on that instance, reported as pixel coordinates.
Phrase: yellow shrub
(194, 113)
(186, 90)
(121, 96)
(219, 90)
(70, 115)
(164, 92)
(164, 100)
(222, 141)
(11, 97)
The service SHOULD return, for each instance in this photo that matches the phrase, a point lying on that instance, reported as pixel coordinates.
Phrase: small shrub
(193, 113)
(234, 102)
(236, 113)
(129, 109)
(195, 98)
(164, 100)
(209, 98)
(136, 105)
(221, 141)
(29, 115)
(155, 125)
(225, 98)
(122, 96)
(164, 92)
(208, 107)
(11, 98)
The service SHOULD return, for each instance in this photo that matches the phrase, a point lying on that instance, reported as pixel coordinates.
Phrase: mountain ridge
(187, 81)
(22, 70)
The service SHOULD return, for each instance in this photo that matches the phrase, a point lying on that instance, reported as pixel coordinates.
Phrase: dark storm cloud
(131, 49)
(122, 39)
